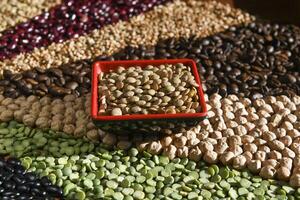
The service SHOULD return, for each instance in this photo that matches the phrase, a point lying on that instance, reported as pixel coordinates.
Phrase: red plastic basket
(106, 66)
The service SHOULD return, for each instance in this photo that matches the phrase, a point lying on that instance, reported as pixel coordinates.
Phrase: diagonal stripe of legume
(18, 140)
(262, 134)
(233, 68)
(181, 18)
(13, 12)
(66, 21)
(120, 175)
(16, 183)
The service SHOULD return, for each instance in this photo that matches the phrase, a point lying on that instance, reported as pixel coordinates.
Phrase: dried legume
(133, 177)
(163, 22)
(211, 70)
(70, 115)
(19, 140)
(15, 183)
(13, 12)
(80, 17)
(151, 80)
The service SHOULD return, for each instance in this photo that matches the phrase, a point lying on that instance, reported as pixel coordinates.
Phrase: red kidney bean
(70, 19)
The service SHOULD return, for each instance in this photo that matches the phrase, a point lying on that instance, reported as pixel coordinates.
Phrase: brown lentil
(134, 76)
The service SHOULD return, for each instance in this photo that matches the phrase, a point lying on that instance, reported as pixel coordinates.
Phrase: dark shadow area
(281, 11)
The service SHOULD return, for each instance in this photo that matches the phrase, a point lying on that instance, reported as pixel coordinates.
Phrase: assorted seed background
(248, 148)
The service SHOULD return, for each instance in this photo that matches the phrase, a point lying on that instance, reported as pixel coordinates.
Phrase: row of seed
(70, 115)
(181, 18)
(118, 175)
(66, 21)
(73, 165)
(262, 135)
(65, 162)
(13, 12)
(15, 183)
(256, 60)
(19, 140)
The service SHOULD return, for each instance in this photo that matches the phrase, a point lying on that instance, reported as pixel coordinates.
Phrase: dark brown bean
(255, 60)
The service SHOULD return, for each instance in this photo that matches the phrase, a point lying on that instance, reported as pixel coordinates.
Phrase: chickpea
(205, 146)
(260, 155)
(166, 141)
(193, 142)
(275, 155)
(154, 147)
(267, 172)
(287, 152)
(170, 151)
(180, 142)
(295, 180)
(210, 157)
(226, 158)
(286, 162)
(276, 145)
(295, 147)
(216, 134)
(228, 132)
(254, 165)
(142, 146)
(236, 149)
(264, 148)
(250, 147)
(234, 140)
(221, 147)
(239, 162)
(286, 140)
(268, 136)
(248, 155)
(183, 152)
(195, 154)
(270, 162)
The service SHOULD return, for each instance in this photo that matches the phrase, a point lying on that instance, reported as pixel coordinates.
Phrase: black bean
(23, 188)
(18, 179)
(55, 191)
(16, 184)
(30, 176)
(10, 185)
(14, 161)
(45, 181)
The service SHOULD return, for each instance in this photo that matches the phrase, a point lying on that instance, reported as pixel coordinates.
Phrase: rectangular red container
(106, 66)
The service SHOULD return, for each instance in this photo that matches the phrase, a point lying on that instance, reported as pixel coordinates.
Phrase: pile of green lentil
(132, 175)
(88, 170)
(247, 148)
